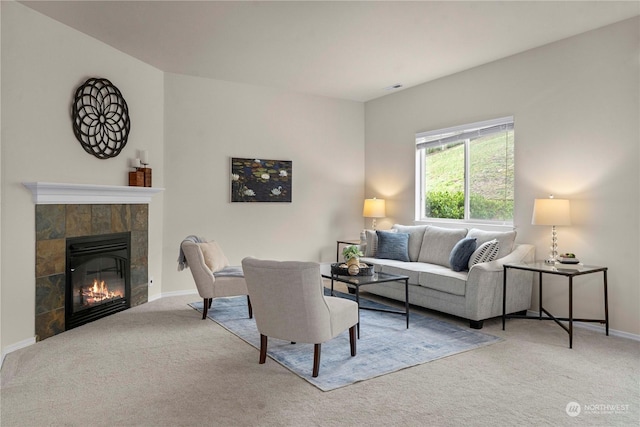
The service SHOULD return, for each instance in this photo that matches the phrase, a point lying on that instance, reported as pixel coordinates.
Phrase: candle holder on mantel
(141, 177)
(146, 170)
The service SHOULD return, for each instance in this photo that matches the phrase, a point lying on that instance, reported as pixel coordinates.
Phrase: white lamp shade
(374, 208)
(551, 212)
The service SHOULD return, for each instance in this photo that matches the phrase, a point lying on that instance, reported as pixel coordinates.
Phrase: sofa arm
(483, 298)
(520, 253)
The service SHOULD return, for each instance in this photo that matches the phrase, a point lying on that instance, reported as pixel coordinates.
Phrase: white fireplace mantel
(49, 193)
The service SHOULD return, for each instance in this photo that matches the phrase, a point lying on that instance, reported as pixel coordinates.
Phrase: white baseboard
(17, 346)
(595, 327)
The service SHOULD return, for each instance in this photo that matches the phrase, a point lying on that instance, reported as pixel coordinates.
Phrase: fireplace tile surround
(54, 224)
(65, 210)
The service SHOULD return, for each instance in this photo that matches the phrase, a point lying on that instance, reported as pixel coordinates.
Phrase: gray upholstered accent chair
(289, 303)
(213, 276)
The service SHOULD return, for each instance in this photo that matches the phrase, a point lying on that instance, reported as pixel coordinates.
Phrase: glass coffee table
(357, 281)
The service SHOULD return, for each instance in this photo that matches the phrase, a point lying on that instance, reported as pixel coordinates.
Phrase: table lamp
(374, 208)
(551, 212)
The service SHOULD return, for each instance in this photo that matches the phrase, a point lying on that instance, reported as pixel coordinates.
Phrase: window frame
(440, 137)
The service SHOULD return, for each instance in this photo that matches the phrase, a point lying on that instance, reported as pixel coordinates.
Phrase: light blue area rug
(385, 345)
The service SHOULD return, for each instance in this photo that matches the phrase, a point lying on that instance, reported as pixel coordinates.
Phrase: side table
(568, 270)
(344, 242)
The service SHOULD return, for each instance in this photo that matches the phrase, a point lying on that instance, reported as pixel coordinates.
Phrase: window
(466, 172)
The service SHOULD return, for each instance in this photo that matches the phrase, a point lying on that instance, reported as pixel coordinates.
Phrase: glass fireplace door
(98, 275)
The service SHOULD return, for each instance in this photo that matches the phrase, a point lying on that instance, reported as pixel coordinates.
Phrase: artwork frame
(261, 180)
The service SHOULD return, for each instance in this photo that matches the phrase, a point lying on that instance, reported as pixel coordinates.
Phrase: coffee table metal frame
(357, 281)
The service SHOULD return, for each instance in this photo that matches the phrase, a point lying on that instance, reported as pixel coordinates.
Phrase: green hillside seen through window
(491, 179)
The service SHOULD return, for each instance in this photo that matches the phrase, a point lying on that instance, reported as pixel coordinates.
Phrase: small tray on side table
(341, 269)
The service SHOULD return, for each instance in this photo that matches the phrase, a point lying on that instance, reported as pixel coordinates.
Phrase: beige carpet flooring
(159, 364)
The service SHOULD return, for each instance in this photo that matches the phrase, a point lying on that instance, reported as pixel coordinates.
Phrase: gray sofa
(474, 292)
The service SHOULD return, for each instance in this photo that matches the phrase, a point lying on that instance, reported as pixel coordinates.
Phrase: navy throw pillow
(393, 245)
(461, 252)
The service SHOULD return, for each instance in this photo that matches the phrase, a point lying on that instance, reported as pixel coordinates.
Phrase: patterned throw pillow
(506, 239)
(393, 245)
(487, 251)
(462, 251)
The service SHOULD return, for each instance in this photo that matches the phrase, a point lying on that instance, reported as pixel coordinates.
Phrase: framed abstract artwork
(259, 180)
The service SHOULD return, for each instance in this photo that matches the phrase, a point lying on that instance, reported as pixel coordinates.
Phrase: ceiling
(342, 49)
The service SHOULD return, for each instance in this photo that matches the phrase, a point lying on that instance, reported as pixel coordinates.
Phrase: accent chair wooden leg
(352, 340)
(205, 308)
(250, 308)
(263, 348)
(316, 360)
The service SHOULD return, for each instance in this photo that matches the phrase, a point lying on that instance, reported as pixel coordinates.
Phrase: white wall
(576, 108)
(207, 122)
(43, 62)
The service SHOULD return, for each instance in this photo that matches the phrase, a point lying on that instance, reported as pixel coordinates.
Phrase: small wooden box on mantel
(136, 178)
(147, 176)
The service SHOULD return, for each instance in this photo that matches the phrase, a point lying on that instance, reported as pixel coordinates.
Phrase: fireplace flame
(99, 292)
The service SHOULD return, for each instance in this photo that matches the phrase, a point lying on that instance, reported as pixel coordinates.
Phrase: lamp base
(550, 261)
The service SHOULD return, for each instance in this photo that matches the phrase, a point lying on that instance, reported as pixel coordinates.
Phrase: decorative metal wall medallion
(100, 118)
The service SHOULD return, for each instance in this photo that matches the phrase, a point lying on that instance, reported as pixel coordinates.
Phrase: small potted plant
(352, 255)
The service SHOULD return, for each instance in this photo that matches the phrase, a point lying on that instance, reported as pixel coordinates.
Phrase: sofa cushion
(505, 239)
(416, 234)
(437, 244)
(214, 258)
(390, 266)
(393, 245)
(444, 279)
(461, 252)
(486, 252)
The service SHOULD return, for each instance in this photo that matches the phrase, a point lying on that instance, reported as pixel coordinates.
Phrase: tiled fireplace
(58, 223)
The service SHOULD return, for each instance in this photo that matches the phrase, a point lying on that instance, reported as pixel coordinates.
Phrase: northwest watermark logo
(573, 409)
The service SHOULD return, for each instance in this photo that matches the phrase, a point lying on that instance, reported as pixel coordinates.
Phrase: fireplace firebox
(97, 278)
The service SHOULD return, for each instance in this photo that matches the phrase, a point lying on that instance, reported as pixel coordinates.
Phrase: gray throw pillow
(371, 239)
(393, 245)
(459, 258)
